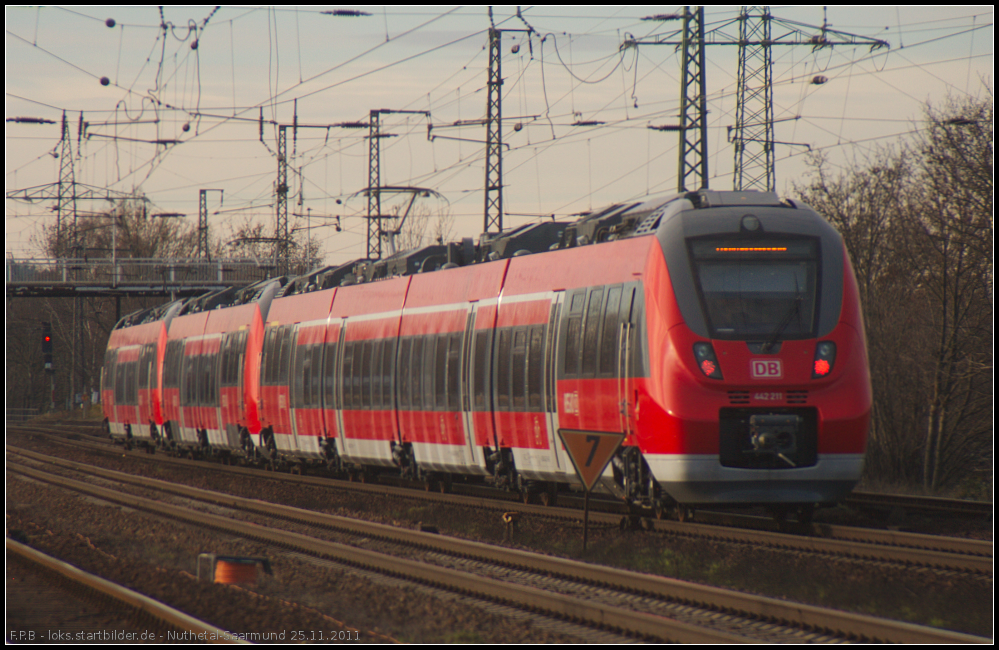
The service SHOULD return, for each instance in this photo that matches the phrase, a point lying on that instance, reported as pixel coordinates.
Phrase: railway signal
(47, 345)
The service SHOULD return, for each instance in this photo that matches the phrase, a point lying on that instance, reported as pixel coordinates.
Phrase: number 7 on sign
(596, 447)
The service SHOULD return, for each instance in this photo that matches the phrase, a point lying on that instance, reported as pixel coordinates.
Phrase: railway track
(545, 580)
(933, 551)
(67, 604)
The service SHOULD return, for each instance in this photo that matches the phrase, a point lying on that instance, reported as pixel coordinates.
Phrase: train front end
(759, 391)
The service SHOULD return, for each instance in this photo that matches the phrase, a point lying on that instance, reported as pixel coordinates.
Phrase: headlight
(825, 358)
(704, 353)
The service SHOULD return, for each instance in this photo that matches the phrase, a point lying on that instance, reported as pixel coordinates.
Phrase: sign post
(589, 451)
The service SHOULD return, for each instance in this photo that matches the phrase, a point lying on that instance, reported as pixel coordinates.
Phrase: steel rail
(798, 615)
(126, 597)
(595, 614)
(869, 544)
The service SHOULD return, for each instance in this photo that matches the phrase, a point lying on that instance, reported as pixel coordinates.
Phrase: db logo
(766, 369)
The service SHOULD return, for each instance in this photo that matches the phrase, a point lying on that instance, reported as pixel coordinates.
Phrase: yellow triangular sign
(590, 451)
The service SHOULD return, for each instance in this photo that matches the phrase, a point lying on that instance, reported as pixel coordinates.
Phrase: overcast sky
(136, 83)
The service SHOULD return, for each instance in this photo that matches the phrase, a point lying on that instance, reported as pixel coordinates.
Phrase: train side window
(188, 377)
(144, 367)
(130, 386)
(405, 376)
(133, 384)
(267, 356)
(284, 365)
(329, 376)
(518, 380)
(347, 376)
(574, 333)
(298, 385)
(107, 373)
(428, 372)
(237, 344)
(359, 370)
(573, 343)
(362, 367)
(440, 374)
(535, 367)
(213, 378)
(225, 359)
(202, 379)
(590, 335)
(609, 343)
(388, 372)
(503, 358)
(119, 382)
(377, 350)
(417, 374)
(453, 368)
(480, 369)
(315, 393)
(171, 364)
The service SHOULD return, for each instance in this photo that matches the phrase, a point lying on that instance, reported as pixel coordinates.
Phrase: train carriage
(719, 333)
(291, 417)
(131, 377)
(211, 369)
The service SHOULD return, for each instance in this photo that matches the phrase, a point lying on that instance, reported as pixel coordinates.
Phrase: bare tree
(917, 223)
(952, 237)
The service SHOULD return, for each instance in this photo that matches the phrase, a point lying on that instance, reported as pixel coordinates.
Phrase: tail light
(825, 358)
(704, 353)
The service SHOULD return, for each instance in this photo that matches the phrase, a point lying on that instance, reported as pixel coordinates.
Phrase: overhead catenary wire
(437, 167)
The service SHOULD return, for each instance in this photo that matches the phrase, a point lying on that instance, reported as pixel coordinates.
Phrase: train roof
(614, 222)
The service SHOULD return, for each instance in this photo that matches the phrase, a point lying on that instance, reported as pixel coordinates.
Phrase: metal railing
(134, 271)
(19, 415)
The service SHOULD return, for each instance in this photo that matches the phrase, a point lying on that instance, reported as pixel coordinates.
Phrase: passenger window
(453, 367)
(535, 367)
(590, 340)
(609, 344)
(480, 368)
(417, 375)
(428, 372)
(518, 380)
(388, 370)
(441, 373)
(330, 375)
(347, 376)
(405, 378)
(503, 357)
(573, 340)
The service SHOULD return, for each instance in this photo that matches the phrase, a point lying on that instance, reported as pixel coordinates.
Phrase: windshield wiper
(794, 310)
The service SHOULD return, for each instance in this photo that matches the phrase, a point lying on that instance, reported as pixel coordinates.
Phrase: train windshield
(762, 290)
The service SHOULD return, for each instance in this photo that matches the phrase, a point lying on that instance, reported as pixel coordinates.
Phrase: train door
(474, 393)
(624, 371)
(332, 413)
(147, 385)
(550, 404)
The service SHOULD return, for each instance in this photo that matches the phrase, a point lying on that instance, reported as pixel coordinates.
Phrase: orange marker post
(590, 451)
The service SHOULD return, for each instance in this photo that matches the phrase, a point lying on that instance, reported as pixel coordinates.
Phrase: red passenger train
(720, 332)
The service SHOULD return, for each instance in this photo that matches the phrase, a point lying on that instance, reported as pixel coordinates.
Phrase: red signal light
(825, 357)
(704, 354)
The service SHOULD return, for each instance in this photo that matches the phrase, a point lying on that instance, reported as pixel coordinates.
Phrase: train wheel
(805, 513)
(684, 513)
(659, 510)
(549, 495)
(444, 485)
